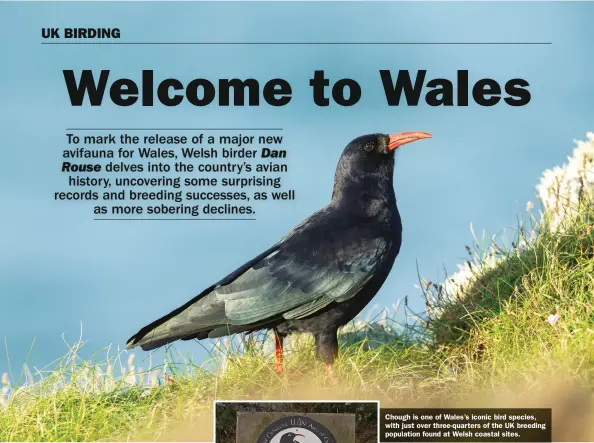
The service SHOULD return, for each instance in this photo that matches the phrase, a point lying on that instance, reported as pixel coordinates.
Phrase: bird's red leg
(278, 353)
(329, 370)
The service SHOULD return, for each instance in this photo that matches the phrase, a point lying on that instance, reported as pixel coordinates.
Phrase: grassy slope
(494, 346)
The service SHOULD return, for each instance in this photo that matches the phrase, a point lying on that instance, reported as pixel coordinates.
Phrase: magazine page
(296, 222)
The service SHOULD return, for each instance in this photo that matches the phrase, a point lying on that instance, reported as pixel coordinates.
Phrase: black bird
(316, 278)
(289, 437)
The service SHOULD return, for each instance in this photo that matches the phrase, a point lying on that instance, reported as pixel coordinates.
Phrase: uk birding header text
(400, 88)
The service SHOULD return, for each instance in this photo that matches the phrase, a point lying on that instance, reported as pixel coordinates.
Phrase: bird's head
(368, 146)
(290, 437)
(366, 165)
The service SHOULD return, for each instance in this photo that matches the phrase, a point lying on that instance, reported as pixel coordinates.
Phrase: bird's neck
(365, 196)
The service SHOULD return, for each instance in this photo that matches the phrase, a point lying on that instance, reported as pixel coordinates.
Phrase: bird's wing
(302, 277)
(326, 259)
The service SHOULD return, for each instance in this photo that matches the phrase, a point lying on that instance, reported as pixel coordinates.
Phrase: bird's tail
(203, 316)
(154, 336)
(180, 324)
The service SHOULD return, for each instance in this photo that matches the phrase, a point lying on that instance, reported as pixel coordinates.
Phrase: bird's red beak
(402, 138)
(299, 435)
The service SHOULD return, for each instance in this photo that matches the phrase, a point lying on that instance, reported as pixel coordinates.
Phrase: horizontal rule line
(174, 219)
(294, 43)
(174, 129)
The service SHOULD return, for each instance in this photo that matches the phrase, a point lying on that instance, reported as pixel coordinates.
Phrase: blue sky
(59, 268)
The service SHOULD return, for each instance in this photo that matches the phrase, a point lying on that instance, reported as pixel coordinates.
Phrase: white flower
(552, 319)
(561, 187)
(529, 206)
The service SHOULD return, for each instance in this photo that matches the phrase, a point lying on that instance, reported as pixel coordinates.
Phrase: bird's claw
(330, 372)
(279, 369)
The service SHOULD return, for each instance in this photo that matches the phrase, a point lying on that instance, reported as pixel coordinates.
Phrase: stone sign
(293, 427)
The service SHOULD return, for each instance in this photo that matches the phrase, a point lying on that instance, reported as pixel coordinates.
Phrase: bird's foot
(279, 368)
(330, 372)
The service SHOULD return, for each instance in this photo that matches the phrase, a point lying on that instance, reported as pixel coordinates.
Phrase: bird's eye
(369, 146)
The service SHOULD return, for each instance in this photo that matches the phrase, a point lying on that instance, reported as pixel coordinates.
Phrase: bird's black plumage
(317, 277)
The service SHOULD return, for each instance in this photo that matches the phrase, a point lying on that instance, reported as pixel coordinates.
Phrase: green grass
(491, 346)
